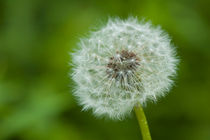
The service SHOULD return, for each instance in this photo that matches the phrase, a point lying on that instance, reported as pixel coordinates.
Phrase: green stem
(142, 122)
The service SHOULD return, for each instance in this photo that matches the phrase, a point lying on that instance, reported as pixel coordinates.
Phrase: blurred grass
(35, 91)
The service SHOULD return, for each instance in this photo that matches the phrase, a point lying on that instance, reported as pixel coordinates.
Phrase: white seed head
(124, 63)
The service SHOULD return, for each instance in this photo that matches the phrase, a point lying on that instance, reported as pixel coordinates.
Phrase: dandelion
(121, 66)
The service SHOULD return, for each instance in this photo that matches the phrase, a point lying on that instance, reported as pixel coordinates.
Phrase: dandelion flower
(123, 64)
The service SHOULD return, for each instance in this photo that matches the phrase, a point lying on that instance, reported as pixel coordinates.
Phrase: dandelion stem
(142, 122)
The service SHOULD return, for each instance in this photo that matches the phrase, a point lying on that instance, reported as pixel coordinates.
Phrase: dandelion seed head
(124, 63)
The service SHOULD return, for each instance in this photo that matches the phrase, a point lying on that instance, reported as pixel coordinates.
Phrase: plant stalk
(142, 122)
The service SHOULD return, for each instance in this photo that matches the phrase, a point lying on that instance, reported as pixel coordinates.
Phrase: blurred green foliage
(36, 101)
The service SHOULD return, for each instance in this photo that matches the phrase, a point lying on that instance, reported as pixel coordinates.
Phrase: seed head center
(124, 63)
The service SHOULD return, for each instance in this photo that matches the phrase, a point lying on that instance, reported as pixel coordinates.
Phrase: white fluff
(114, 94)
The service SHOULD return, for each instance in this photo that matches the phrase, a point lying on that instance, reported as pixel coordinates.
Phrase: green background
(36, 102)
